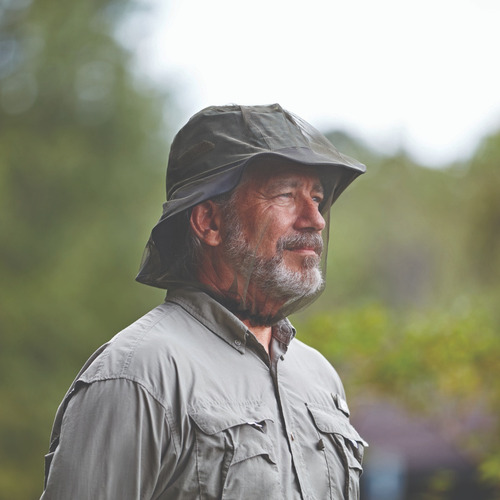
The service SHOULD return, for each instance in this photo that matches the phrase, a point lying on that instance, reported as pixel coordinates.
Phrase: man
(210, 395)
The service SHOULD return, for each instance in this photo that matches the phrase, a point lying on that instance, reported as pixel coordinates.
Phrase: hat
(209, 155)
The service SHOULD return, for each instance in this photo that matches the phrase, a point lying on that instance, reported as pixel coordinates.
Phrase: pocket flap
(334, 422)
(258, 445)
(216, 418)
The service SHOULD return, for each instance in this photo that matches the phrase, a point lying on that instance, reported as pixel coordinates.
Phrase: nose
(309, 217)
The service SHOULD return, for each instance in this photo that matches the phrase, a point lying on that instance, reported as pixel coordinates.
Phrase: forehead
(267, 175)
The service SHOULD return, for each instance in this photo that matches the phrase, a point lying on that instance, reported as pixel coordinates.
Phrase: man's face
(273, 231)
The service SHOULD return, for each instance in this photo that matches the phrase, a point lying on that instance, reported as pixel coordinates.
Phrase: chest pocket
(235, 457)
(343, 448)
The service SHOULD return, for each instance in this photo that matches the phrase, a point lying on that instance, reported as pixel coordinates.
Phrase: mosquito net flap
(216, 156)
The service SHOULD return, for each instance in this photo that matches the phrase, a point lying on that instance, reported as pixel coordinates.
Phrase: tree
(439, 364)
(82, 143)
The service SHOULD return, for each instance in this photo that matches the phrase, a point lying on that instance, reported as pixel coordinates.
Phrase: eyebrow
(291, 183)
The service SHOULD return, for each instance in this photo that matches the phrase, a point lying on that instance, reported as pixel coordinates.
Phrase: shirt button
(292, 436)
(237, 342)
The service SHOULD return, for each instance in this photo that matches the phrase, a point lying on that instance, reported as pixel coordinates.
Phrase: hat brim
(336, 175)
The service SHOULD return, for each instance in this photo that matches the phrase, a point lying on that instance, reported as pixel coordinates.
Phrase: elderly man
(210, 395)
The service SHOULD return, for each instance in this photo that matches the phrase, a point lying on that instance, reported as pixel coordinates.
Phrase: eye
(285, 195)
(318, 199)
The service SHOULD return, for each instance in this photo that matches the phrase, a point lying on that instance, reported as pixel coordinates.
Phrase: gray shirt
(186, 404)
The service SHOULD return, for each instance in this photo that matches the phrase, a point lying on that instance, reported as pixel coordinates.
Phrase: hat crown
(219, 136)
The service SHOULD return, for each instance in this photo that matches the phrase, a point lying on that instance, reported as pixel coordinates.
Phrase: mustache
(301, 240)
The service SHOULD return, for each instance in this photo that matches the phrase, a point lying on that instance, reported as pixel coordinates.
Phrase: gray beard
(271, 275)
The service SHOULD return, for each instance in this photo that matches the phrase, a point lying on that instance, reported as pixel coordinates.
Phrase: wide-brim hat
(209, 155)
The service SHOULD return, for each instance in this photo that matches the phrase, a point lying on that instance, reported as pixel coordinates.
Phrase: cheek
(264, 226)
(268, 242)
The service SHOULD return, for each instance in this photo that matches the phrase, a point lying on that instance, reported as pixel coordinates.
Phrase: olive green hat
(208, 157)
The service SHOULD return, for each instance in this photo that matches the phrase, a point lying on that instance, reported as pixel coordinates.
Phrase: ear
(205, 222)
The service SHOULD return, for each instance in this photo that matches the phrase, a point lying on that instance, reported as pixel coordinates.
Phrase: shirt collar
(221, 321)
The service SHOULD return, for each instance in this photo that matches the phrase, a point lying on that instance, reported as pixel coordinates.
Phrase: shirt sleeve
(113, 437)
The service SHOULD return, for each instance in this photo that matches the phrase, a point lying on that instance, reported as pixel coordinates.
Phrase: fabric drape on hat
(207, 158)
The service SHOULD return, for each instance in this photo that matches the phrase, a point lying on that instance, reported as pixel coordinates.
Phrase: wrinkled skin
(264, 247)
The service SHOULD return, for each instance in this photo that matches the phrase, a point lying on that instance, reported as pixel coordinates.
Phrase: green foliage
(438, 363)
(483, 236)
(82, 154)
(426, 357)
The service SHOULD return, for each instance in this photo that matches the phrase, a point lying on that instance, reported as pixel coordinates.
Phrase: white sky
(422, 74)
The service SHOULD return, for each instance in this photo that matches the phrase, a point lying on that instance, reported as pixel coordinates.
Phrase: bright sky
(422, 74)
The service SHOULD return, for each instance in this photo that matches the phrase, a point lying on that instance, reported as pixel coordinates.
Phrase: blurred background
(91, 94)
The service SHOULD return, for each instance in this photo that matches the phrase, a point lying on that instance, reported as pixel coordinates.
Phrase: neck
(257, 310)
(256, 323)
(262, 333)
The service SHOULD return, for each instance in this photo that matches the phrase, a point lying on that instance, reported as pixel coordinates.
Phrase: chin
(294, 284)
